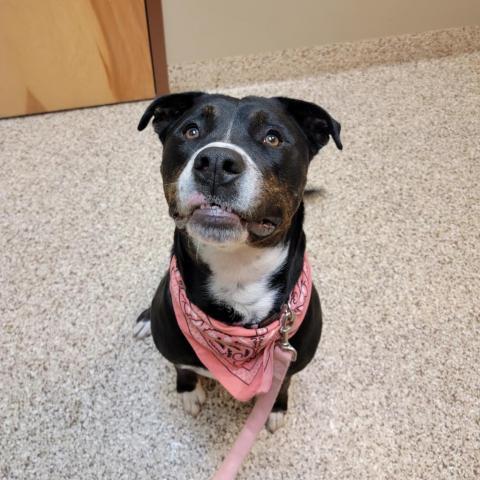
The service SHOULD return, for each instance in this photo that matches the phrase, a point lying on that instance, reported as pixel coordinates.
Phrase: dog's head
(234, 170)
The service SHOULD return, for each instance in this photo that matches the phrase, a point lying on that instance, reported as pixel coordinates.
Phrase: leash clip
(287, 319)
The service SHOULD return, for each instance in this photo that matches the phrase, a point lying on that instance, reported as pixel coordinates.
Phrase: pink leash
(283, 355)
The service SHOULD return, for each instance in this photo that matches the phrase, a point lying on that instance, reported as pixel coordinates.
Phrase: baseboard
(304, 62)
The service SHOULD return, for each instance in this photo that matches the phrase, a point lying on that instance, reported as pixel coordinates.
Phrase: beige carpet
(394, 391)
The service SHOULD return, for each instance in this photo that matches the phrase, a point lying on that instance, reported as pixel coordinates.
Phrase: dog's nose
(218, 166)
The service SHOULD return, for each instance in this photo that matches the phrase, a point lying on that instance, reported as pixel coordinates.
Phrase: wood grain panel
(157, 45)
(58, 54)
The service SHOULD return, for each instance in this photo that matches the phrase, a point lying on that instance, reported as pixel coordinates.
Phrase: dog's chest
(241, 279)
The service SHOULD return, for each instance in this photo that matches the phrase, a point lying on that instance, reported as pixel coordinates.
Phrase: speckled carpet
(394, 391)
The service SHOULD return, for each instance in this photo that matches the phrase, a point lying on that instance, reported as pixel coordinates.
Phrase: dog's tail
(312, 193)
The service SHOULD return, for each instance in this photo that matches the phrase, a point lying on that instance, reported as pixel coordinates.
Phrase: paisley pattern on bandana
(240, 358)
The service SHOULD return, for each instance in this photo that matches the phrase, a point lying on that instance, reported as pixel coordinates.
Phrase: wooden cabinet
(61, 54)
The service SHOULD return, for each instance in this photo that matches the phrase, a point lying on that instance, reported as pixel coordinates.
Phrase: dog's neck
(243, 284)
(240, 278)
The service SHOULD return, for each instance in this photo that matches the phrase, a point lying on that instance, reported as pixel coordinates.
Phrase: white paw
(142, 329)
(275, 421)
(193, 401)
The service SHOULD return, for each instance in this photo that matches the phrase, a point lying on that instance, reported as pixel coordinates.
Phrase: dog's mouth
(222, 223)
(216, 216)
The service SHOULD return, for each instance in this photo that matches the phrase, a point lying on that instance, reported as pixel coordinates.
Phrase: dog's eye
(191, 132)
(272, 139)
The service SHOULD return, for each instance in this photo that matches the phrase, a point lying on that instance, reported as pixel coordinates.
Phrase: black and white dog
(234, 174)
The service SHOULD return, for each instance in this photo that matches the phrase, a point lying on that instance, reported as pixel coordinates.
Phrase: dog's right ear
(315, 122)
(165, 110)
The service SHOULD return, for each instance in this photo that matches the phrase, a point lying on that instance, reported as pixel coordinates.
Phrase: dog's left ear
(166, 110)
(315, 122)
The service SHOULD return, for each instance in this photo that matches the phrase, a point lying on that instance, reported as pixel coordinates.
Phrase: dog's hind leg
(142, 328)
(190, 389)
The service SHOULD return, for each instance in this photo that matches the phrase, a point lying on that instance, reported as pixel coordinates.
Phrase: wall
(204, 29)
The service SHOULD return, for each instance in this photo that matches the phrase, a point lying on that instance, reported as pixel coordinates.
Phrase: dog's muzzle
(218, 190)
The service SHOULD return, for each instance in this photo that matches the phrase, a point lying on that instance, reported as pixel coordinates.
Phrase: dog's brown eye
(272, 139)
(192, 132)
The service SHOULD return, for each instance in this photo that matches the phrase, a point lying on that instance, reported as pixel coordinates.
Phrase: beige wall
(204, 29)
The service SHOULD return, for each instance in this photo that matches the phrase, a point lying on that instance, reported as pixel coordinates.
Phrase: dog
(234, 175)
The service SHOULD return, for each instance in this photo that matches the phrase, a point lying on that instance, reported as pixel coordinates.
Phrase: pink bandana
(240, 358)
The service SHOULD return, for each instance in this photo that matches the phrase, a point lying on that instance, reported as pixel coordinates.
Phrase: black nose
(218, 166)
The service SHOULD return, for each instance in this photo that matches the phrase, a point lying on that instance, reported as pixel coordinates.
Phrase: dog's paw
(275, 421)
(193, 401)
(142, 328)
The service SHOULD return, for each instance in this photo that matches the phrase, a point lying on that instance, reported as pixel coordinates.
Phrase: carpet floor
(394, 240)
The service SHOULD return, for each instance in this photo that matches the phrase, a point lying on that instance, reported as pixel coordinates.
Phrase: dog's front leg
(190, 389)
(276, 419)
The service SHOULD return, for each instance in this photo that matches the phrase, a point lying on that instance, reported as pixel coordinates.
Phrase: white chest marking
(241, 277)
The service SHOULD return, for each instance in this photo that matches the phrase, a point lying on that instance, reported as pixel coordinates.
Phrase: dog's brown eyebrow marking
(260, 117)
(257, 121)
(208, 111)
